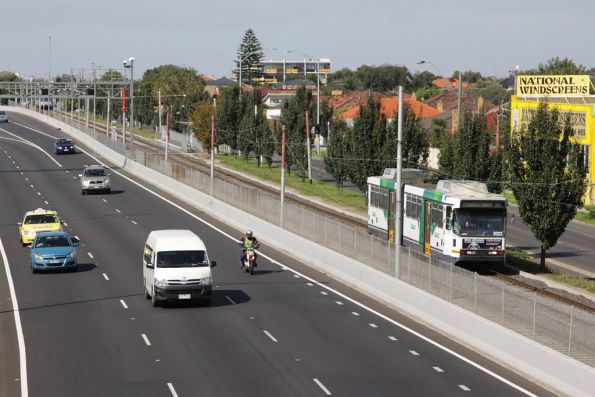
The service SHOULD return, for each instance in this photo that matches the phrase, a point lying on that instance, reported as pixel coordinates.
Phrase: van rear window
(182, 259)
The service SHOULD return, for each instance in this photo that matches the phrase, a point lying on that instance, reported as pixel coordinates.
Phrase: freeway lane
(276, 333)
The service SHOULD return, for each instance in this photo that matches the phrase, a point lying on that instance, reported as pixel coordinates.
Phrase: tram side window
(436, 215)
(378, 197)
(413, 207)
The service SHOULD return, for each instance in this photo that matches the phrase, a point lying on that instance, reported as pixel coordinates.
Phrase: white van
(176, 267)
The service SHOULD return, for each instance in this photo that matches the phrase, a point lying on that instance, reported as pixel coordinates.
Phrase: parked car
(37, 221)
(64, 145)
(54, 251)
(95, 179)
(3, 117)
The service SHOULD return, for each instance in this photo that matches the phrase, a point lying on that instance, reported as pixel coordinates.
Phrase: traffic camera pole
(308, 146)
(283, 132)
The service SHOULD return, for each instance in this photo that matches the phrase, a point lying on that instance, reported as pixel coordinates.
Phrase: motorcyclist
(248, 241)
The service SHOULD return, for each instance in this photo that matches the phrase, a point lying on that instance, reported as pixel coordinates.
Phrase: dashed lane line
(324, 389)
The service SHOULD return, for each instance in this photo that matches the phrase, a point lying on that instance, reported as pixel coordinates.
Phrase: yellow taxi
(39, 220)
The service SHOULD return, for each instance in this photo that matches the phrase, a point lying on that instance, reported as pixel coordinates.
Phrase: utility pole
(109, 124)
(167, 120)
(159, 101)
(399, 192)
(283, 133)
(212, 151)
(460, 93)
(318, 106)
(308, 146)
(50, 60)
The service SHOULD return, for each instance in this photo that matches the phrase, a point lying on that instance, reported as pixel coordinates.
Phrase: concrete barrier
(547, 366)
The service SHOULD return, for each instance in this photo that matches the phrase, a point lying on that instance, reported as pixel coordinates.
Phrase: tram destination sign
(552, 85)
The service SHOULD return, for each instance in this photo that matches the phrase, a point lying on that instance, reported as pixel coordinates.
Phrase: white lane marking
(105, 276)
(46, 202)
(118, 211)
(77, 237)
(270, 336)
(38, 193)
(324, 389)
(355, 313)
(368, 309)
(21, 139)
(464, 388)
(90, 255)
(438, 369)
(134, 222)
(296, 276)
(146, 339)
(392, 338)
(339, 303)
(74, 177)
(123, 303)
(65, 224)
(104, 200)
(172, 390)
(67, 171)
(230, 300)
(19, 328)
(324, 292)
(414, 352)
(33, 187)
(310, 284)
(373, 325)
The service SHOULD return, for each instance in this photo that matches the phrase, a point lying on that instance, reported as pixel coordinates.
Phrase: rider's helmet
(249, 233)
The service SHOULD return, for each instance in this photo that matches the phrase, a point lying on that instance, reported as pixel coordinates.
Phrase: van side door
(148, 268)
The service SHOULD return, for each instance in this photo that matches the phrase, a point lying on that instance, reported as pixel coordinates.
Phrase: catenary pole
(212, 152)
(308, 146)
(159, 100)
(399, 204)
(283, 133)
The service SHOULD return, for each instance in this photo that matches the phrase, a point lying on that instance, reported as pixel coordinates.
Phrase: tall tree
(250, 56)
(368, 138)
(293, 115)
(200, 117)
(228, 117)
(335, 161)
(415, 147)
(548, 175)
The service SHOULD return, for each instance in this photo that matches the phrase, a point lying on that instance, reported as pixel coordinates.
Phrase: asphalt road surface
(286, 331)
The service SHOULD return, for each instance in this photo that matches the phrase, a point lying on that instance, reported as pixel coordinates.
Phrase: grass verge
(521, 260)
(326, 192)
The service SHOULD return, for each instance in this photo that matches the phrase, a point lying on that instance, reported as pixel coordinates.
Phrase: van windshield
(182, 259)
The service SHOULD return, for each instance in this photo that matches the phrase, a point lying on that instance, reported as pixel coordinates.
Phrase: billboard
(552, 85)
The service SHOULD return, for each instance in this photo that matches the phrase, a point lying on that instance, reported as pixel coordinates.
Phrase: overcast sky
(481, 35)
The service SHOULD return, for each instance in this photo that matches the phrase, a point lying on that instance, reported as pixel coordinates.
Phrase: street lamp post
(129, 64)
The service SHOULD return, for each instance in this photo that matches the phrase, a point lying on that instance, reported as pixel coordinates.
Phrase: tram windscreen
(479, 222)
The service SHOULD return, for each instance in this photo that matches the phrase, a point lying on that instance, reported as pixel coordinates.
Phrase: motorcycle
(249, 259)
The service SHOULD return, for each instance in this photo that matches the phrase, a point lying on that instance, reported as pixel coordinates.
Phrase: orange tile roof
(388, 108)
(449, 83)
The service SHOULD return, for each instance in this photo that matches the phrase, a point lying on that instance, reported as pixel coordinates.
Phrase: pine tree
(250, 55)
(549, 175)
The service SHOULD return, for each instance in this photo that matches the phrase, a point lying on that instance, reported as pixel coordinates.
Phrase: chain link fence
(564, 328)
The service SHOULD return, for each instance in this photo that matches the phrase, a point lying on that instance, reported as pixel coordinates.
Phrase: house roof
(388, 108)
(449, 83)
